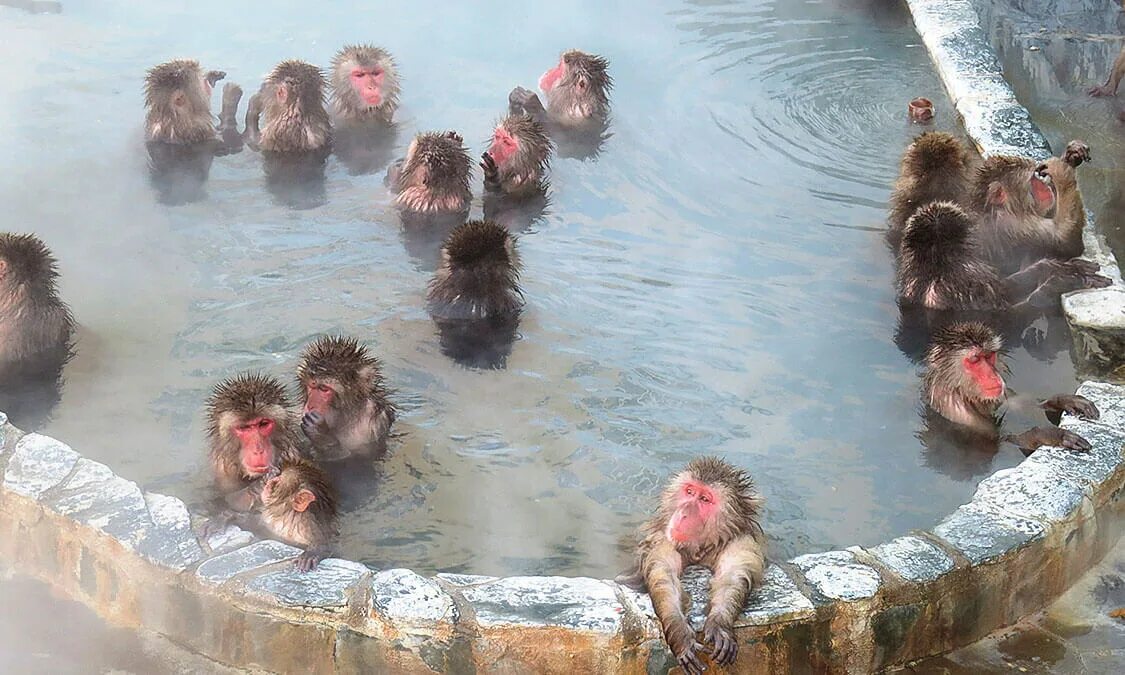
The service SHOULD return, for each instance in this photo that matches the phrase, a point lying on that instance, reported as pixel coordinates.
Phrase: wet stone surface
(402, 596)
(778, 599)
(170, 540)
(1088, 468)
(1031, 491)
(913, 558)
(229, 538)
(982, 535)
(97, 497)
(1110, 400)
(221, 568)
(465, 579)
(577, 603)
(325, 587)
(38, 463)
(835, 575)
(1099, 309)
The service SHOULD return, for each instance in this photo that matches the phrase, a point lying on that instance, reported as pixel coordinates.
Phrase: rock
(913, 558)
(325, 587)
(401, 596)
(836, 575)
(577, 603)
(221, 568)
(38, 463)
(1097, 323)
(983, 535)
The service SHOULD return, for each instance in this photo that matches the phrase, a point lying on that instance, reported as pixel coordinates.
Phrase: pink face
(551, 78)
(256, 449)
(319, 397)
(504, 145)
(697, 505)
(981, 366)
(368, 84)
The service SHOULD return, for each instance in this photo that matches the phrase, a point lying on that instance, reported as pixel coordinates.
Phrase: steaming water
(715, 282)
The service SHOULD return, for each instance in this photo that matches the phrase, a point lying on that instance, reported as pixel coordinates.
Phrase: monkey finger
(1098, 281)
(214, 76)
(725, 649)
(690, 662)
(1072, 441)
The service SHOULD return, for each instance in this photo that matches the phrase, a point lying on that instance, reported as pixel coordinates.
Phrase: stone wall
(137, 559)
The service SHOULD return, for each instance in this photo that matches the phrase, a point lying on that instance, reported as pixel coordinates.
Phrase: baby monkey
(299, 508)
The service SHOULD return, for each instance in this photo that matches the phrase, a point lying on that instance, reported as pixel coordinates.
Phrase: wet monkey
(365, 86)
(345, 411)
(298, 506)
(251, 431)
(941, 268)
(36, 329)
(577, 109)
(517, 158)
(935, 167)
(708, 515)
(474, 295)
(963, 385)
(178, 104)
(288, 114)
(433, 177)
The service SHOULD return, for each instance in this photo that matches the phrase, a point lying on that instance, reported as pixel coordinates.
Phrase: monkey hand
(724, 648)
(491, 172)
(684, 646)
(524, 101)
(1079, 406)
(1077, 152)
(1035, 438)
(1101, 90)
(314, 425)
(214, 76)
(308, 560)
(215, 525)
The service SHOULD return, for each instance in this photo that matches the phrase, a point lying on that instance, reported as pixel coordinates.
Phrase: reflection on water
(714, 281)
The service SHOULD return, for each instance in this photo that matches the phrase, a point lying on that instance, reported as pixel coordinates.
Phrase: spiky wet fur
(935, 167)
(315, 526)
(940, 265)
(948, 390)
(434, 178)
(36, 327)
(524, 173)
(478, 277)
(346, 104)
(566, 105)
(239, 399)
(300, 124)
(163, 121)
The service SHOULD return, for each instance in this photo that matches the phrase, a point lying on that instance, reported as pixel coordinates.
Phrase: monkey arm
(738, 569)
(253, 113)
(1115, 75)
(525, 101)
(1038, 286)
(394, 171)
(662, 568)
(1037, 437)
(324, 443)
(229, 137)
(491, 173)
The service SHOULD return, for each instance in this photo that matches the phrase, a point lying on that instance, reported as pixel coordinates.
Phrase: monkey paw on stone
(1035, 438)
(307, 561)
(1076, 153)
(1079, 406)
(724, 648)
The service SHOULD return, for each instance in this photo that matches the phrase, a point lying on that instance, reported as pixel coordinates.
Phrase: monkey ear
(302, 499)
(282, 93)
(997, 196)
(366, 373)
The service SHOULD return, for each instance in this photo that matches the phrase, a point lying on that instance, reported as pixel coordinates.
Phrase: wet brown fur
(300, 123)
(478, 277)
(524, 173)
(583, 91)
(164, 120)
(314, 527)
(36, 327)
(935, 167)
(948, 390)
(434, 176)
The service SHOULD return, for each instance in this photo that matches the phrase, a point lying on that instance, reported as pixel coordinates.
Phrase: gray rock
(97, 497)
(836, 575)
(170, 541)
(778, 599)
(38, 464)
(983, 535)
(1097, 324)
(221, 568)
(1031, 491)
(1085, 468)
(1110, 400)
(230, 537)
(577, 603)
(325, 587)
(465, 579)
(913, 558)
(401, 596)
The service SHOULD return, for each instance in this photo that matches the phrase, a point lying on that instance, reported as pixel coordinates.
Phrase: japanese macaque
(365, 85)
(178, 102)
(299, 508)
(287, 114)
(251, 431)
(346, 411)
(941, 268)
(474, 296)
(516, 161)
(963, 385)
(577, 91)
(1115, 75)
(1029, 210)
(708, 515)
(433, 177)
(935, 167)
(36, 329)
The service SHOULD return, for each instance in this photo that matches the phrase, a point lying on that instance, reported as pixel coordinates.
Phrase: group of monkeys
(976, 243)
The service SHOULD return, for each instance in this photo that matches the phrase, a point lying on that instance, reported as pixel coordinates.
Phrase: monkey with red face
(708, 515)
(577, 111)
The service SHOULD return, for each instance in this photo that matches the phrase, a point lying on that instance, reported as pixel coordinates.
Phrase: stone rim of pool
(1027, 534)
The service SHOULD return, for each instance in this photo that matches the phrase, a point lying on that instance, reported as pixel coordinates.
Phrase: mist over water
(715, 281)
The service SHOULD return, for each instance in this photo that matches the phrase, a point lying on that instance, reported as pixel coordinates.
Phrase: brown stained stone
(548, 649)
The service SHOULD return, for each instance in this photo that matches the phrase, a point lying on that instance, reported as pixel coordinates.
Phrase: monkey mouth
(372, 99)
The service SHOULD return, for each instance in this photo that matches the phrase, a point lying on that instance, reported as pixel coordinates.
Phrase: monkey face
(551, 78)
(256, 452)
(320, 396)
(504, 145)
(982, 370)
(697, 505)
(367, 83)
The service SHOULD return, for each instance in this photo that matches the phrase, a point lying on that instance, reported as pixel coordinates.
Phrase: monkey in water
(963, 386)
(708, 515)
(287, 114)
(251, 432)
(1115, 75)
(433, 177)
(299, 508)
(365, 86)
(577, 111)
(941, 268)
(346, 411)
(36, 329)
(935, 167)
(517, 158)
(474, 295)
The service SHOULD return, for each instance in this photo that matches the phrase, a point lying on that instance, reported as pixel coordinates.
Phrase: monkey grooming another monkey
(36, 329)
(708, 515)
(940, 268)
(251, 431)
(433, 177)
(287, 114)
(365, 85)
(963, 385)
(299, 508)
(346, 411)
(474, 295)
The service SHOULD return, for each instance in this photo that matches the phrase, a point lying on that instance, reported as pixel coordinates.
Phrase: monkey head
(364, 82)
(337, 375)
(963, 362)
(248, 424)
(709, 503)
(178, 99)
(435, 174)
(521, 141)
(297, 485)
(1017, 185)
(298, 86)
(26, 264)
(578, 86)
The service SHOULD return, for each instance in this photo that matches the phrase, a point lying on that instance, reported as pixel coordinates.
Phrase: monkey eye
(323, 388)
(690, 490)
(264, 423)
(975, 358)
(706, 499)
